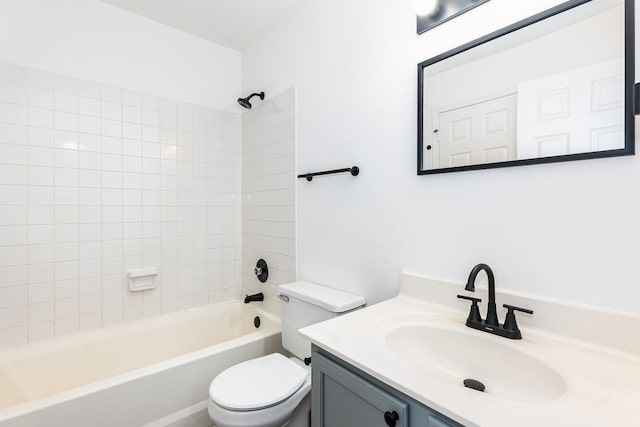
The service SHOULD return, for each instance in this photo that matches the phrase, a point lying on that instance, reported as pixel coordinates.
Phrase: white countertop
(602, 384)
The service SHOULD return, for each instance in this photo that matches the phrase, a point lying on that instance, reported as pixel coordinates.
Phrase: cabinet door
(342, 399)
(435, 421)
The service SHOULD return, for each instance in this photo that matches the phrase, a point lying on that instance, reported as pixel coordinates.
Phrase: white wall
(565, 231)
(110, 160)
(95, 181)
(96, 41)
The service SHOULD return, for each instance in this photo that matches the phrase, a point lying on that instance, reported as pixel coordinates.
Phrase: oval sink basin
(453, 357)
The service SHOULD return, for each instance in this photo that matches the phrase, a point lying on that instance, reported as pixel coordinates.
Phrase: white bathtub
(154, 372)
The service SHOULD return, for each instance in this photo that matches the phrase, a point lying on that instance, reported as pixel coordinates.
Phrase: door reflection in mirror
(550, 90)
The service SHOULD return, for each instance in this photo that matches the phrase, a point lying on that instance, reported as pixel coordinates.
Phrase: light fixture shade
(425, 7)
(431, 13)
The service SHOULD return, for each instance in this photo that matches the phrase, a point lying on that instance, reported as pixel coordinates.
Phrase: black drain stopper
(474, 384)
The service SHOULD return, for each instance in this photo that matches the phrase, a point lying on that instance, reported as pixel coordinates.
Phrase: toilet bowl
(262, 392)
(274, 390)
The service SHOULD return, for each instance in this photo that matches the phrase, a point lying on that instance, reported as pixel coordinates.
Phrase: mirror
(557, 86)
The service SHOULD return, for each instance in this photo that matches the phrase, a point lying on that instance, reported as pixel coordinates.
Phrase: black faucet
(492, 316)
(491, 324)
(254, 298)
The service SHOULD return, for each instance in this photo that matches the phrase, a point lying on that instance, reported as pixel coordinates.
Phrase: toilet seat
(274, 416)
(258, 383)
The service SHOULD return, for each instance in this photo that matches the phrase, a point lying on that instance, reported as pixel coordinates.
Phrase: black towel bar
(309, 176)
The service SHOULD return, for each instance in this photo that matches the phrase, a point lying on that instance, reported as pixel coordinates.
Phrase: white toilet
(273, 390)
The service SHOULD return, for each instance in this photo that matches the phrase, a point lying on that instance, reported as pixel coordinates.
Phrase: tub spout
(254, 298)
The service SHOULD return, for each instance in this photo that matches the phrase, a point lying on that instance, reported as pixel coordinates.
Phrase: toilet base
(294, 412)
(301, 416)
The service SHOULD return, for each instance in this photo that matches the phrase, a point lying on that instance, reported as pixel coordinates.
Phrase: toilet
(274, 390)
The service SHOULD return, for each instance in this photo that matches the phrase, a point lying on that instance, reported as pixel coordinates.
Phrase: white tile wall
(96, 180)
(268, 195)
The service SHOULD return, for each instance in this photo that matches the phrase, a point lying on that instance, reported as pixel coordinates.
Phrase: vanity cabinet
(344, 396)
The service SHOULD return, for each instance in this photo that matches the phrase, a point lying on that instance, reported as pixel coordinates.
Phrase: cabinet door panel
(438, 422)
(343, 399)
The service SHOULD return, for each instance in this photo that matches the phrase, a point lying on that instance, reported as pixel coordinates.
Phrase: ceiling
(231, 23)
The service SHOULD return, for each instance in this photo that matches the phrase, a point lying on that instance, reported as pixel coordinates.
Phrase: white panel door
(574, 112)
(483, 132)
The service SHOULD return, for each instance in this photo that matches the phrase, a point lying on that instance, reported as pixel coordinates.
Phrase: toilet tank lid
(328, 298)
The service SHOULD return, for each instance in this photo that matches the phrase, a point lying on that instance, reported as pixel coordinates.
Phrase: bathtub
(154, 372)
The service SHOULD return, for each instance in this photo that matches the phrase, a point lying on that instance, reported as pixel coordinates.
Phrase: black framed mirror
(557, 86)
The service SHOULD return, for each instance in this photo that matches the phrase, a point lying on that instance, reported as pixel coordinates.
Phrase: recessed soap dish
(142, 279)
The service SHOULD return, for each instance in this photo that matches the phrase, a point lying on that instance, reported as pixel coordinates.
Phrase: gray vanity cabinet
(342, 399)
(343, 396)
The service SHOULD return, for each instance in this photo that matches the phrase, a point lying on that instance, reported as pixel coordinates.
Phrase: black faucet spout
(492, 315)
(254, 298)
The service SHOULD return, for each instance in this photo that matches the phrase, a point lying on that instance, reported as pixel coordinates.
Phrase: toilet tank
(306, 303)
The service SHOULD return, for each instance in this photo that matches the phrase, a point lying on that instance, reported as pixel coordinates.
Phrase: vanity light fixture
(426, 7)
(431, 13)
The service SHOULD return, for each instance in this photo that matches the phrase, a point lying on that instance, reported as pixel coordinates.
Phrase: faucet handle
(474, 300)
(510, 323)
(474, 313)
(512, 308)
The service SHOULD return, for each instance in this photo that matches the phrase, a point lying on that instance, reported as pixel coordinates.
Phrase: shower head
(244, 102)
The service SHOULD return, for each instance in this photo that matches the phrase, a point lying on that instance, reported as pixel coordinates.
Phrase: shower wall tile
(96, 180)
(268, 195)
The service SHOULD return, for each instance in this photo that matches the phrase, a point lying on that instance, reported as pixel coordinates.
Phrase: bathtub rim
(61, 343)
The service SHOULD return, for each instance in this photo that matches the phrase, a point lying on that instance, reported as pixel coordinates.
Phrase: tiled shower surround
(268, 195)
(96, 180)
